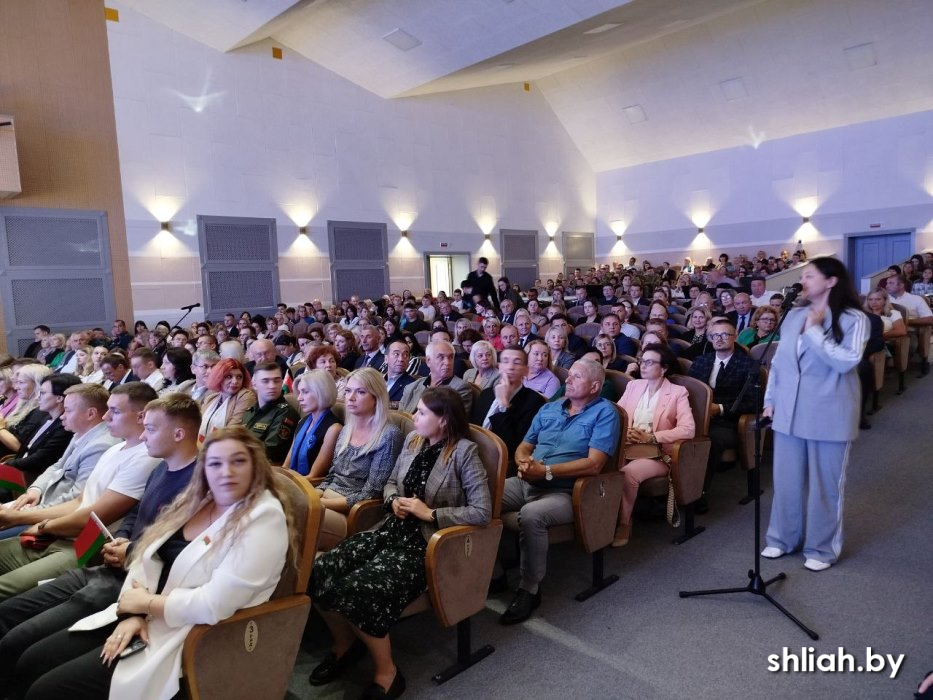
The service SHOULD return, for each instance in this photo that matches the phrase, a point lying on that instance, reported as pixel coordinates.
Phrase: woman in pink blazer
(658, 415)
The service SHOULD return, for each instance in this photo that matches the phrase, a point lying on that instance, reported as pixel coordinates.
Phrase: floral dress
(371, 577)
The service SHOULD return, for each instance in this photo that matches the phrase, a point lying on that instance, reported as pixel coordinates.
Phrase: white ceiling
(702, 74)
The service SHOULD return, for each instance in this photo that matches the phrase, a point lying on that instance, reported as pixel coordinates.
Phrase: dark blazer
(349, 362)
(507, 318)
(528, 339)
(454, 315)
(729, 383)
(47, 449)
(512, 425)
(399, 387)
(734, 317)
(375, 363)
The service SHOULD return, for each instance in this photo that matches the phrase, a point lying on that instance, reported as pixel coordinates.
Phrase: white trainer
(817, 565)
(772, 552)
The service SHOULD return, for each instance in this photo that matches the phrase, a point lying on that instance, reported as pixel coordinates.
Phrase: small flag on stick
(12, 479)
(91, 539)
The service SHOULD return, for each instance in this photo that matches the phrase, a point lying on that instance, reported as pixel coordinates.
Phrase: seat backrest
(342, 372)
(403, 421)
(588, 331)
(757, 352)
(423, 337)
(675, 329)
(619, 380)
(339, 409)
(619, 458)
(685, 364)
(679, 319)
(476, 391)
(575, 313)
(561, 373)
(292, 401)
(679, 344)
(307, 515)
(701, 395)
(494, 455)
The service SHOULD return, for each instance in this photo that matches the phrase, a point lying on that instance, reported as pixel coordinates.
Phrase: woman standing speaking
(813, 398)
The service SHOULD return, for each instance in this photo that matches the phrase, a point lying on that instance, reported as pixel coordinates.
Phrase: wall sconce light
(166, 225)
(404, 233)
(303, 230)
(806, 219)
(700, 229)
(486, 236)
(618, 236)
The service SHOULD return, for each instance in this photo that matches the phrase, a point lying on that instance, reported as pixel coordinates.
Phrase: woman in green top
(761, 328)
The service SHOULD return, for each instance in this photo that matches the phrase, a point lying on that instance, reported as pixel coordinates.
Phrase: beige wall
(55, 81)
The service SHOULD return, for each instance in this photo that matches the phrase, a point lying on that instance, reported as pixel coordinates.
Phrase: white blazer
(210, 580)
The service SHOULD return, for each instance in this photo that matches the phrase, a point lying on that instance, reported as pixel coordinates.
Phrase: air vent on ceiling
(402, 40)
(635, 114)
(861, 56)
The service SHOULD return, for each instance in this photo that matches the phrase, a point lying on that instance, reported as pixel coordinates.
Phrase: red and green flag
(91, 540)
(12, 479)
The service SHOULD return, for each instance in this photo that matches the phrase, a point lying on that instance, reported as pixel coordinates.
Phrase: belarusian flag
(12, 479)
(90, 541)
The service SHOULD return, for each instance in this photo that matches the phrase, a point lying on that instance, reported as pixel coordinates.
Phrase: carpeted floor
(638, 639)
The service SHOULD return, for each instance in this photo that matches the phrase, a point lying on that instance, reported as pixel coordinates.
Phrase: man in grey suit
(440, 361)
(85, 405)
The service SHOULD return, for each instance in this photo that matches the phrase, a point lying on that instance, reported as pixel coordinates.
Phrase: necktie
(722, 368)
(741, 323)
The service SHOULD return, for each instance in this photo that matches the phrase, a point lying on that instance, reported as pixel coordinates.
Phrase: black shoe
(701, 506)
(331, 667)
(864, 425)
(376, 691)
(523, 604)
(500, 584)
(924, 368)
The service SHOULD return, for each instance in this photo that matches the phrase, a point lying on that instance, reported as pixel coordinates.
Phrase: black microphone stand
(756, 584)
(185, 315)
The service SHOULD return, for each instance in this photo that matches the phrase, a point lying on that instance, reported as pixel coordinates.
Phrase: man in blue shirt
(566, 440)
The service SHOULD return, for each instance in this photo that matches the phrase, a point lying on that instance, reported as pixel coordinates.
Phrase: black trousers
(41, 616)
(723, 436)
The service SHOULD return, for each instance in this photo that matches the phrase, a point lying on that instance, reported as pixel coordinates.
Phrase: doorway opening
(445, 271)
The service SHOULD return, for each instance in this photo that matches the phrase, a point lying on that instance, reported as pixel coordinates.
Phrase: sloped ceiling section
(765, 71)
(632, 81)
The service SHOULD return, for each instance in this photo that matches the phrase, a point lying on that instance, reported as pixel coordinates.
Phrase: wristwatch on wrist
(548, 474)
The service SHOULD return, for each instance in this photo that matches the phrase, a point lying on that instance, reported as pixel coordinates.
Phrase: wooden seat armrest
(458, 564)
(216, 660)
(365, 515)
(901, 352)
(688, 468)
(746, 440)
(316, 481)
(596, 501)
(877, 360)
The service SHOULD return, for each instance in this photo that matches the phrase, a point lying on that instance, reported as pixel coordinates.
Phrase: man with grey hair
(440, 361)
(262, 351)
(201, 365)
(567, 439)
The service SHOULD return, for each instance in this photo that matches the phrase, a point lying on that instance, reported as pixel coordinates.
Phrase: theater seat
(252, 653)
(902, 352)
(688, 459)
(459, 560)
(596, 501)
(588, 331)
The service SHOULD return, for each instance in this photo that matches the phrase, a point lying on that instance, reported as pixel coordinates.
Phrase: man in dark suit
(742, 316)
(508, 312)
(447, 312)
(726, 370)
(508, 407)
(39, 333)
(523, 325)
(397, 359)
(370, 356)
(609, 296)
(116, 369)
(579, 296)
(612, 326)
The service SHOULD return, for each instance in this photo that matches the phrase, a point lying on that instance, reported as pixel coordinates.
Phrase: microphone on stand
(190, 306)
(791, 297)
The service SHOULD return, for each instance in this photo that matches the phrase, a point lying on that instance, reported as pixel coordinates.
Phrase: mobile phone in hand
(136, 646)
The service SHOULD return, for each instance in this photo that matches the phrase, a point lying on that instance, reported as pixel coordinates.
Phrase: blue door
(870, 254)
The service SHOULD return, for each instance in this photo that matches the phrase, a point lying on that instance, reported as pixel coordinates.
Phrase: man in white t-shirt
(114, 487)
(918, 314)
(759, 295)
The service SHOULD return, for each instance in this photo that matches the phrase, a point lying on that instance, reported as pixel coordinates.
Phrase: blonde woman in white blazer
(226, 537)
